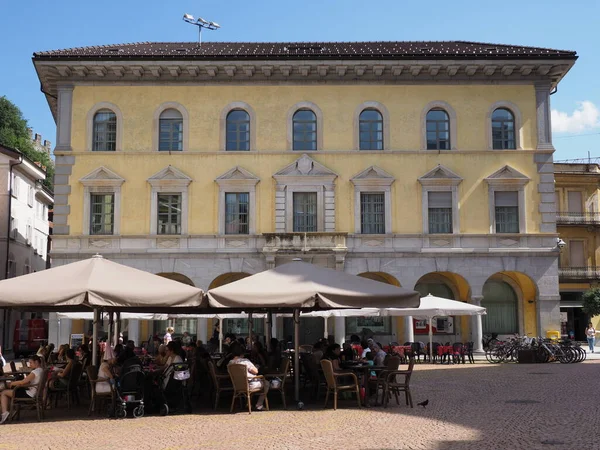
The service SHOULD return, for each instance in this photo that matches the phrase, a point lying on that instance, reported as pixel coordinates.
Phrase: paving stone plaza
(480, 406)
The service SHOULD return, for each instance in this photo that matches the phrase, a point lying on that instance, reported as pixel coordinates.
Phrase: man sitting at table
(333, 354)
(31, 382)
(367, 348)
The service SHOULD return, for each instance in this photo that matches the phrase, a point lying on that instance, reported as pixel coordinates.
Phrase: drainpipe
(6, 334)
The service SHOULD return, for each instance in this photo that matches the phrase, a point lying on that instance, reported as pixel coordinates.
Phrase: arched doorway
(510, 300)
(382, 277)
(446, 285)
(227, 278)
(176, 277)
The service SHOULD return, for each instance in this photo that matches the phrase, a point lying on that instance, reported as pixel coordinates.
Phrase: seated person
(317, 353)
(258, 355)
(274, 358)
(370, 362)
(31, 382)
(129, 359)
(105, 376)
(2, 360)
(347, 353)
(60, 379)
(161, 357)
(380, 355)
(333, 354)
(253, 382)
(367, 347)
(173, 357)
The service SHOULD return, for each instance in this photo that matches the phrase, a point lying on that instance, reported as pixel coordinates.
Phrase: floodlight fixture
(201, 23)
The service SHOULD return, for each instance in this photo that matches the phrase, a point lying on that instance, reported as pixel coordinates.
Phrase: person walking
(590, 333)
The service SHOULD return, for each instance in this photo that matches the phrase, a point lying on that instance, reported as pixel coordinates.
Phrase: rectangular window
(15, 186)
(102, 213)
(237, 212)
(305, 211)
(169, 214)
(439, 212)
(575, 202)
(170, 135)
(507, 212)
(372, 213)
(13, 228)
(30, 196)
(576, 254)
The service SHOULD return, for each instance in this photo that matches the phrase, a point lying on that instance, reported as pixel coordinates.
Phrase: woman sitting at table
(60, 379)
(347, 353)
(333, 354)
(62, 353)
(161, 357)
(31, 382)
(254, 383)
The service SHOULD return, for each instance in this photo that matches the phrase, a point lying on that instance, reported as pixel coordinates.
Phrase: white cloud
(585, 117)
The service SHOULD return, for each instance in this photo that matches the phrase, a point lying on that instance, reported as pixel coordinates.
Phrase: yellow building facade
(429, 168)
(578, 222)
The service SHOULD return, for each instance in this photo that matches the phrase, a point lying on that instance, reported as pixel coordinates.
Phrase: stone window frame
(245, 182)
(156, 124)
(439, 104)
(516, 112)
(90, 125)
(516, 182)
(178, 183)
(382, 182)
(385, 115)
(290, 125)
(447, 183)
(223, 125)
(93, 184)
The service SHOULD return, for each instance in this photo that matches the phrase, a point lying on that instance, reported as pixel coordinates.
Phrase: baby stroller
(172, 389)
(130, 393)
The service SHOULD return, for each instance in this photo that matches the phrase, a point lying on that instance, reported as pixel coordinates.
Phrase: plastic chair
(36, 402)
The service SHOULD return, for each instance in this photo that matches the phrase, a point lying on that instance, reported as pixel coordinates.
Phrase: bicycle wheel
(542, 355)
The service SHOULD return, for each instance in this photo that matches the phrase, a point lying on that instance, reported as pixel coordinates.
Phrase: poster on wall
(76, 340)
(375, 324)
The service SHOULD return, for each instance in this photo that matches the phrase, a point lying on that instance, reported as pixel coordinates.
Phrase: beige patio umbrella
(301, 285)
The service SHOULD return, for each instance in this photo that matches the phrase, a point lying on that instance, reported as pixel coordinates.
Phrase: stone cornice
(54, 73)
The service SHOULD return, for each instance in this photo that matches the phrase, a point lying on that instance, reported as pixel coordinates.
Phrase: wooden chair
(101, 397)
(394, 386)
(219, 382)
(333, 386)
(241, 385)
(282, 375)
(36, 402)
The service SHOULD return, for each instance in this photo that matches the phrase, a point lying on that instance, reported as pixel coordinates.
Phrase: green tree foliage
(14, 134)
(591, 302)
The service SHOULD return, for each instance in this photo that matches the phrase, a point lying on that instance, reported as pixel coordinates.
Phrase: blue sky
(34, 25)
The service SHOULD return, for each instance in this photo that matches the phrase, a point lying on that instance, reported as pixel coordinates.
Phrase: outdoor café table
(446, 350)
(364, 370)
(399, 349)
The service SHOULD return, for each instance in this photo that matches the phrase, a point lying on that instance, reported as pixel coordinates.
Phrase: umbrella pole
(250, 323)
(95, 339)
(269, 330)
(430, 339)
(326, 331)
(297, 354)
(220, 335)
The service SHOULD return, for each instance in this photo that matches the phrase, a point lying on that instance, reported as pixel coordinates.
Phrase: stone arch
(526, 294)
(227, 278)
(381, 277)
(175, 276)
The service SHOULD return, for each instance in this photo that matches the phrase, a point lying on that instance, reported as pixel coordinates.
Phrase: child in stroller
(171, 391)
(130, 392)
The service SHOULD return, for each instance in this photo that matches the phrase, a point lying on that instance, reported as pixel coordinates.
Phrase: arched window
(170, 136)
(438, 289)
(503, 130)
(501, 303)
(438, 129)
(304, 125)
(370, 125)
(238, 130)
(104, 131)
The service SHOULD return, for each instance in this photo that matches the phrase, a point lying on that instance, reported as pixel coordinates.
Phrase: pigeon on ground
(423, 404)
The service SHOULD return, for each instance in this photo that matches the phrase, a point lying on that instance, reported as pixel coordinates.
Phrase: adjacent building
(422, 164)
(24, 230)
(578, 221)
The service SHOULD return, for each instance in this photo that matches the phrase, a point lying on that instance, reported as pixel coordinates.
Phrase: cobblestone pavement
(481, 406)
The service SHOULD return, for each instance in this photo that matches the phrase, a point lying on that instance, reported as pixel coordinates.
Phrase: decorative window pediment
(102, 177)
(507, 176)
(372, 176)
(440, 176)
(305, 166)
(237, 176)
(170, 177)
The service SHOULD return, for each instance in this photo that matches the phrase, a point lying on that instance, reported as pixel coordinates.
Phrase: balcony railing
(579, 273)
(572, 218)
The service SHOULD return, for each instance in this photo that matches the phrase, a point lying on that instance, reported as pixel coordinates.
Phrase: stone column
(133, 328)
(409, 329)
(477, 326)
(544, 131)
(64, 117)
(202, 330)
(340, 330)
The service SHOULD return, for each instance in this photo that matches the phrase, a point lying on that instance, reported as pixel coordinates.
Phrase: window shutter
(440, 199)
(576, 254)
(575, 202)
(507, 199)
